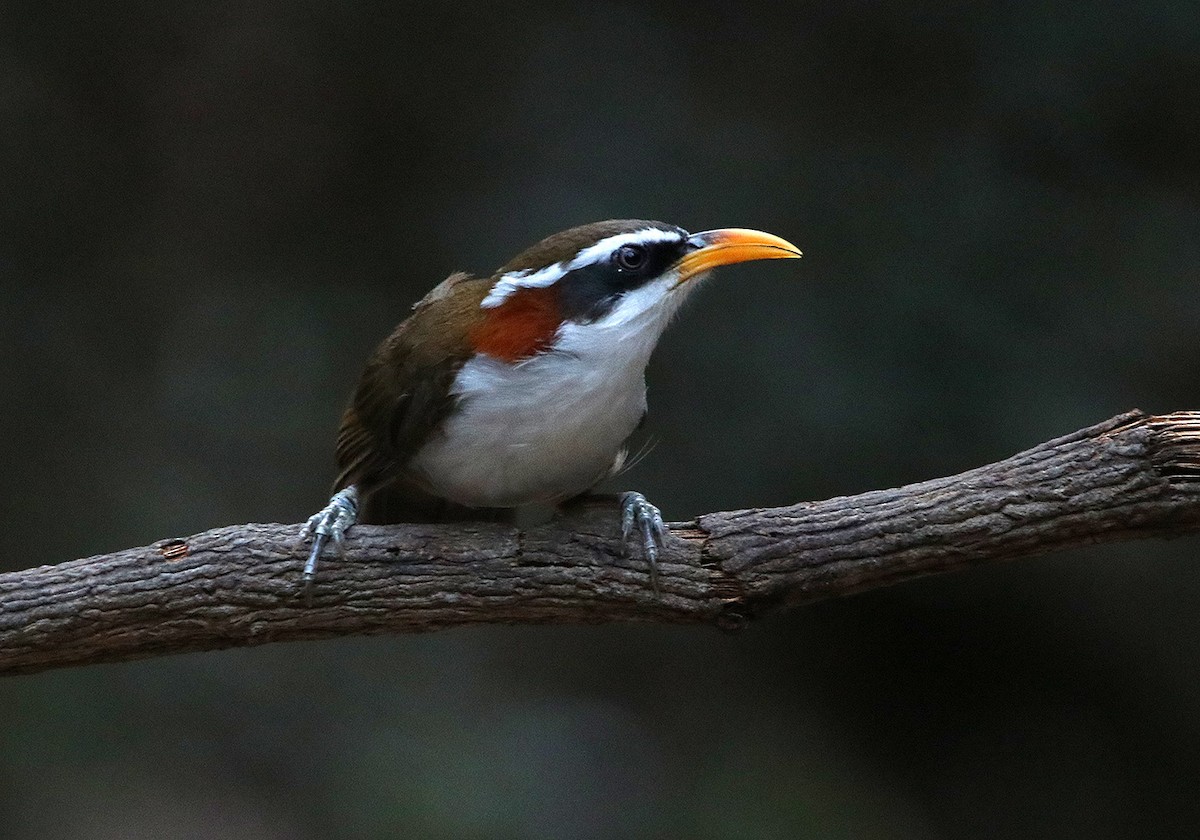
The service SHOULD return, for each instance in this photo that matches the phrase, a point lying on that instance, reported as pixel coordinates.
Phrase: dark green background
(210, 212)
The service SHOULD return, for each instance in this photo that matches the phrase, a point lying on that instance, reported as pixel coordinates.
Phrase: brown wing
(403, 394)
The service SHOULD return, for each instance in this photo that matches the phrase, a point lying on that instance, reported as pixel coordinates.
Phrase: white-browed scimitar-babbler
(523, 387)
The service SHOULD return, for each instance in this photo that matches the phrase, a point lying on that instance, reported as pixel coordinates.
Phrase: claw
(310, 566)
(330, 523)
(652, 531)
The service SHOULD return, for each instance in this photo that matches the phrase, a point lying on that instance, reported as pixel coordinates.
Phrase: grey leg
(329, 523)
(637, 514)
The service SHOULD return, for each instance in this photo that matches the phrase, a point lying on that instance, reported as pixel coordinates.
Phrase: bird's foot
(330, 523)
(642, 522)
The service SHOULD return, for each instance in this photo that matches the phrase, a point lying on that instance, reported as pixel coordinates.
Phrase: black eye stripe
(590, 292)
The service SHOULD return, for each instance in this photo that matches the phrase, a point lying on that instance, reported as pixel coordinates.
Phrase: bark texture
(1133, 476)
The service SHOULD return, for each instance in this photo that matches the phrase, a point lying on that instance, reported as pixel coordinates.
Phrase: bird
(522, 387)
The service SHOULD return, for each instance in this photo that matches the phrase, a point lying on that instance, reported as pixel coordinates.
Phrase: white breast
(549, 428)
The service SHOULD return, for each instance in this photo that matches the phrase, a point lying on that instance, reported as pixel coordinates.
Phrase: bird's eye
(629, 257)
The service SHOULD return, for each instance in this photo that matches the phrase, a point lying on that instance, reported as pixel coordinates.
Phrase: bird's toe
(642, 523)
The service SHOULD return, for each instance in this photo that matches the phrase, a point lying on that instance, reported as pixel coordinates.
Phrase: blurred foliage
(212, 211)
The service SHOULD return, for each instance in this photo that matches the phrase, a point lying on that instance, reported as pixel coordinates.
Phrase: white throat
(628, 334)
(550, 427)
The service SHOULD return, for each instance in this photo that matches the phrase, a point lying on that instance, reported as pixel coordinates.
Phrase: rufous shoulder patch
(522, 326)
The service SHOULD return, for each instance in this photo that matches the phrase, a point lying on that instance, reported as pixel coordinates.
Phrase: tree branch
(1130, 477)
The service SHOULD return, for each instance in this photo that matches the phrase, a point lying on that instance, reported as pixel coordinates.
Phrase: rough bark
(1130, 477)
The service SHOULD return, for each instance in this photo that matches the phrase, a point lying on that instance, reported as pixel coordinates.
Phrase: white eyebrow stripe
(524, 279)
(551, 274)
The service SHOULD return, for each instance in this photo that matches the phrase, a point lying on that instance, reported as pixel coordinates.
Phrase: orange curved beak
(726, 246)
